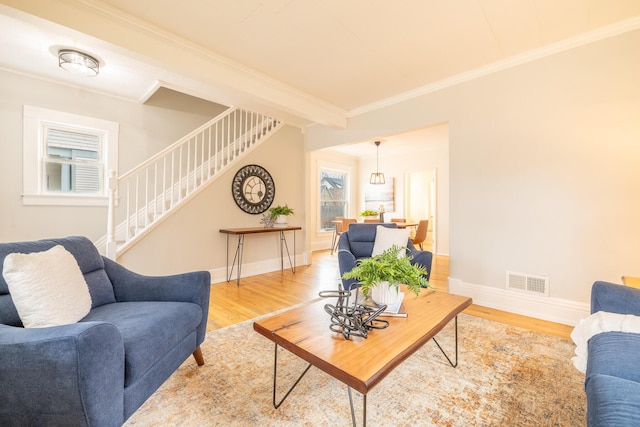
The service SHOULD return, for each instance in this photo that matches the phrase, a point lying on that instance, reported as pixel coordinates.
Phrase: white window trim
(32, 182)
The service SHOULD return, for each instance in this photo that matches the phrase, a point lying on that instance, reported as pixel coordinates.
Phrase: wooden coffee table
(358, 362)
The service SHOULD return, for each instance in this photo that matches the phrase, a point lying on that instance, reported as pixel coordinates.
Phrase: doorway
(420, 202)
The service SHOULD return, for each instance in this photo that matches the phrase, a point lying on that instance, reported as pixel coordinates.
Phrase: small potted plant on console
(280, 213)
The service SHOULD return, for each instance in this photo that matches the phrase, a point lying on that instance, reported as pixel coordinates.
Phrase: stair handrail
(179, 142)
(237, 135)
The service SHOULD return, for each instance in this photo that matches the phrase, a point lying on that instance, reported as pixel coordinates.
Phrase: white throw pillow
(47, 288)
(387, 237)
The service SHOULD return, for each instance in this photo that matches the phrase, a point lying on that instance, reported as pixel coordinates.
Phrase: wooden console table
(241, 232)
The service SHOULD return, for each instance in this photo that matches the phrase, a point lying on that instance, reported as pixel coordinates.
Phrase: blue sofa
(98, 371)
(357, 243)
(612, 380)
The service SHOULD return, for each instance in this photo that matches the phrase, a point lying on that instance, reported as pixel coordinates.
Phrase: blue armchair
(99, 371)
(358, 242)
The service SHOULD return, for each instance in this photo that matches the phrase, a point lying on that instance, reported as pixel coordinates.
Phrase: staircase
(149, 193)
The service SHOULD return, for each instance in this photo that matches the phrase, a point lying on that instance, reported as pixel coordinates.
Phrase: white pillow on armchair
(387, 237)
(47, 288)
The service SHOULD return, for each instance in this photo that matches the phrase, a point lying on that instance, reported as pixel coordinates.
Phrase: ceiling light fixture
(377, 177)
(77, 62)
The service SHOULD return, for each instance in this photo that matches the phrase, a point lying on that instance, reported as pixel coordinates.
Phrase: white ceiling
(304, 60)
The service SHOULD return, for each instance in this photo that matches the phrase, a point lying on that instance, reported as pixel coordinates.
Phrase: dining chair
(421, 232)
(346, 222)
(341, 227)
(398, 219)
(633, 282)
(371, 220)
(337, 231)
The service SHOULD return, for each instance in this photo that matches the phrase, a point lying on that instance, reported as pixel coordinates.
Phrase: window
(333, 197)
(67, 158)
(72, 161)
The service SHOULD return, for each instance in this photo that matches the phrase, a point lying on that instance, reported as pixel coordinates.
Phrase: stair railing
(145, 195)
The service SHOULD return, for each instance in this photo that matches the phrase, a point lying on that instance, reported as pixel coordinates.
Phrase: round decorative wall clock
(253, 189)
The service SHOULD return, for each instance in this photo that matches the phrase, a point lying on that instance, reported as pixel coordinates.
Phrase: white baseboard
(255, 268)
(557, 310)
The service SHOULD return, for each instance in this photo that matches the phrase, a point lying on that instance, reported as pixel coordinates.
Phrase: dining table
(406, 224)
(399, 224)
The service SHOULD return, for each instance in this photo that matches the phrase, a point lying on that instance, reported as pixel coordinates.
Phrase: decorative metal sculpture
(267, 220)
(352, 319)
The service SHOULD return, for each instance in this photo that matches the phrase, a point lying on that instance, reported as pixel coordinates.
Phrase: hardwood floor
(265, 293)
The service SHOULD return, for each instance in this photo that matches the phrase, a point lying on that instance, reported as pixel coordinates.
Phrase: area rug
(506, 376)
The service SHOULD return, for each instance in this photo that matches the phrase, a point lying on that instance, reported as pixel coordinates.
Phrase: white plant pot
(383, 293)
(281, 219)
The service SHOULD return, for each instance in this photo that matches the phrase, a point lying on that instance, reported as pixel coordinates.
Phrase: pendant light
(377, 177)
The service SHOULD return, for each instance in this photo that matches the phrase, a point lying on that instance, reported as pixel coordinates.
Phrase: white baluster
(217, 151)
(202, 177)
(247, 130)
(110, 249)
(127, 234)
(164, 184)
(155, 190)
(235, 129)
(136, 205)
(209, 155)
(173, 176)
(180, 175)
(146, 197)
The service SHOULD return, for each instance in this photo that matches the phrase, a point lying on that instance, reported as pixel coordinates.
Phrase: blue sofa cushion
(612, 401)
(149, 330)
(615, 354)
(92, 267)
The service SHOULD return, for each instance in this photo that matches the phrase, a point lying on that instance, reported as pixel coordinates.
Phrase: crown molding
(532, 55)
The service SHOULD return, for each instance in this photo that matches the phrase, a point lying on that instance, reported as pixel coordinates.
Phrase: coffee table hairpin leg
(277, 404)
(275, 377)
(364, 409)
(454, 365)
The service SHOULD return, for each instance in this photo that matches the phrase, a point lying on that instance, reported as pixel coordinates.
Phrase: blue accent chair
(357, 243)
(612, 380)
(99, 371)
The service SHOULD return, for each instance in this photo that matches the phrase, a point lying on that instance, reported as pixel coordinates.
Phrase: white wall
(543, 173)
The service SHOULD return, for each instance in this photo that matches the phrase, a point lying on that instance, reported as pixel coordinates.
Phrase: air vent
(538, 285)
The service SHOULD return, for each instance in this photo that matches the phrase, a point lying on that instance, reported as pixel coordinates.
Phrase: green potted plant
(279, 213)
(389, 270)
(368, 213)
